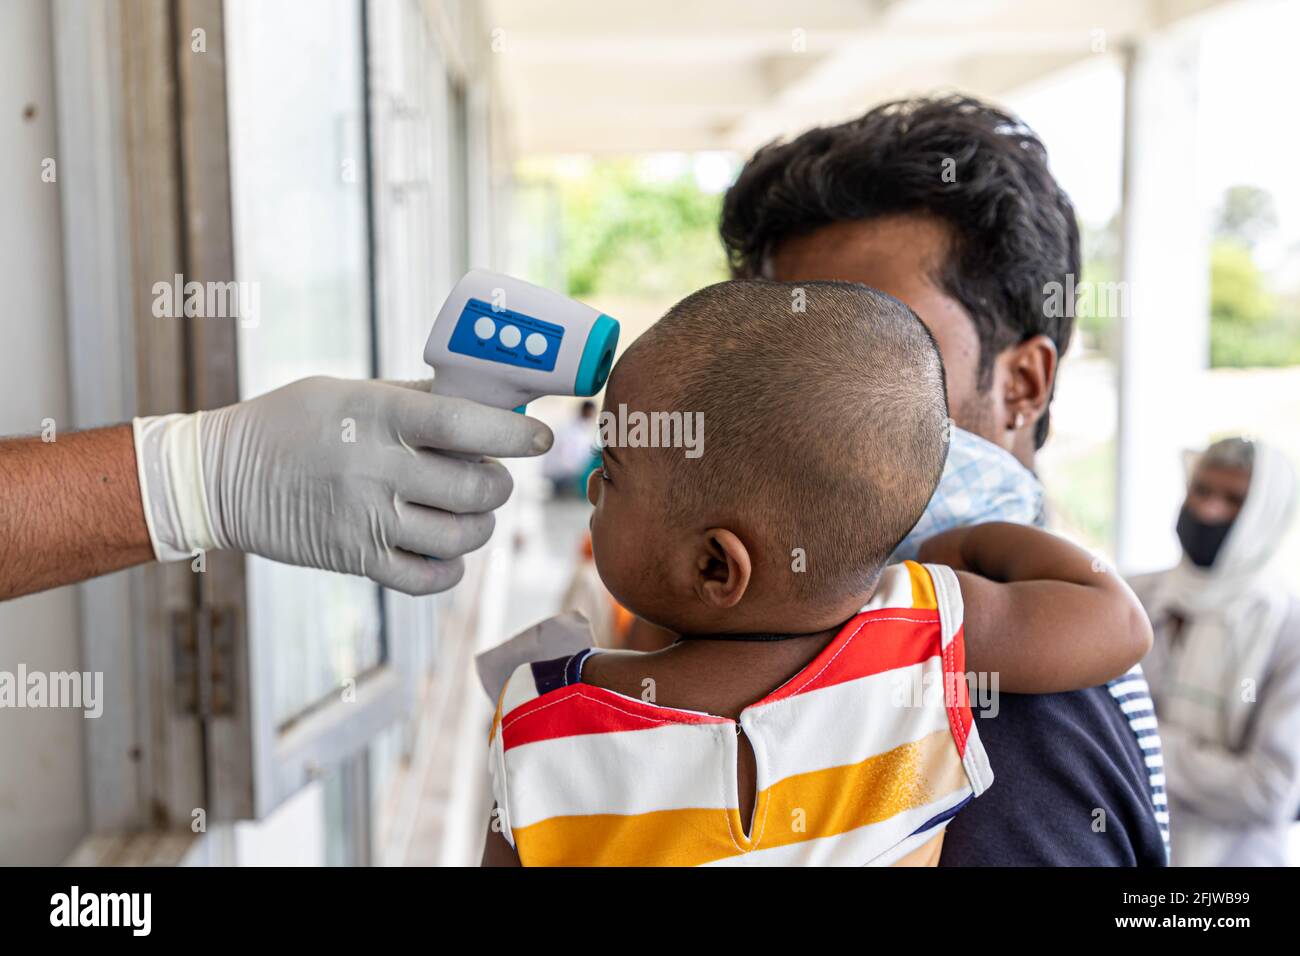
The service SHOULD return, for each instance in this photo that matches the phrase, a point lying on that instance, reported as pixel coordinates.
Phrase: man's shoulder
(1092, 719)
(1072, 787)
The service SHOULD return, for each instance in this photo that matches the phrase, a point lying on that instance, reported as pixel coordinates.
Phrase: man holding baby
(948, 204)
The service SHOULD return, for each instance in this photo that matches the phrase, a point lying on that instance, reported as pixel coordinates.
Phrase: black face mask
(1201, 541)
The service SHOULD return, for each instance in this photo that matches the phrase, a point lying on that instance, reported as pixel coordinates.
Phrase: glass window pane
(295, 72)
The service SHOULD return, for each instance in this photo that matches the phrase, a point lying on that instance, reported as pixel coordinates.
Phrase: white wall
(42, 799)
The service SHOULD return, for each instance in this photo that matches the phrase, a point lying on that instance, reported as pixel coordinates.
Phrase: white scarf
(1233, 612)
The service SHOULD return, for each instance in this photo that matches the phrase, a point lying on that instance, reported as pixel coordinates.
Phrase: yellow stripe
(827, 802)
(802, 807)
(922, 587)
(662, 838)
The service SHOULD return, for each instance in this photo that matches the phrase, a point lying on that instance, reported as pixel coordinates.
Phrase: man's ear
(722, 569)
(1029, 369)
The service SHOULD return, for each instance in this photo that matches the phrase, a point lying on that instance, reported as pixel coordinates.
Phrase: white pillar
(1165, 329)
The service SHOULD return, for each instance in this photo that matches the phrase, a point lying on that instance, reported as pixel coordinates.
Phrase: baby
(814, 709)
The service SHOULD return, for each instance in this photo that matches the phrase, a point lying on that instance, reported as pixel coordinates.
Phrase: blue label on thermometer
(502, 335)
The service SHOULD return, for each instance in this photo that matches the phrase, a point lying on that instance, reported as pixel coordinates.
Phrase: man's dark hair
(1014, 229)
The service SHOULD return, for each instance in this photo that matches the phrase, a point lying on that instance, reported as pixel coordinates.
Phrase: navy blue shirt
(1057, 760)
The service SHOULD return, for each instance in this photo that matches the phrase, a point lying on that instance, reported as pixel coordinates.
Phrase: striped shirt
(862, 757)
(1134, 698)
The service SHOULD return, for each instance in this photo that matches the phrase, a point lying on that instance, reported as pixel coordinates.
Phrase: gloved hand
(334, 474)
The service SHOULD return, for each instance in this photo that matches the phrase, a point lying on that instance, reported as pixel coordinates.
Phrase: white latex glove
(334, 474)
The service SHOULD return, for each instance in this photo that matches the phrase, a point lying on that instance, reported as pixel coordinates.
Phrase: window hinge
(203, 660)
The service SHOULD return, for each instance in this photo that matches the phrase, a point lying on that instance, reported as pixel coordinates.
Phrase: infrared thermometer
(505, 342)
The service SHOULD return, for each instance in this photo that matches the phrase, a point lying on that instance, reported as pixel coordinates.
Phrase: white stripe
(893, 590)
(669, 767)
(1129, 687)
(1157, 780)
(500, 790)
(1155, 760)
(1142, 723)
(871, 715)
(947, 592)
(520, 689)
(1149, 741)
(896, 853)
(947, 595)
(976, 761)
(1137, 703)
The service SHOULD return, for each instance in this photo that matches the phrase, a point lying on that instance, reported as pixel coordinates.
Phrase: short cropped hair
(825, 420)
(1015, 234)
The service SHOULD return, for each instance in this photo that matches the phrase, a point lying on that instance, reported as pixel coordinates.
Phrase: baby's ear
(722, 569)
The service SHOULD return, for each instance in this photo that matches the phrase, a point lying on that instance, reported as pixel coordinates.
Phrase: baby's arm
(1038, 610)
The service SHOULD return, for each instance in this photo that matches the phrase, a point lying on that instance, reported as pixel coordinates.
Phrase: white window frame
(285, 757)
(145, 193)
(135, 208)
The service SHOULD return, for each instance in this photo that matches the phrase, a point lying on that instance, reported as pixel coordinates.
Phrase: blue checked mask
(980, 482)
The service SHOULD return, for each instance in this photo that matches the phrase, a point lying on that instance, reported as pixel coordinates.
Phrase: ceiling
(626, 76)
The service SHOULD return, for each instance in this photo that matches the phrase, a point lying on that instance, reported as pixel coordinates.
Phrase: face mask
(1200, 541)
(980, 482)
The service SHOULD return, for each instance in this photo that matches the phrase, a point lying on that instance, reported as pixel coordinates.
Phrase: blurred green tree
(625, 233)
(1246, 215)
(1248, 324)
(1095, 319)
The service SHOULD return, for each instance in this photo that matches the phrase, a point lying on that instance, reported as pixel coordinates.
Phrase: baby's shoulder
(626, 672)
(903, 585)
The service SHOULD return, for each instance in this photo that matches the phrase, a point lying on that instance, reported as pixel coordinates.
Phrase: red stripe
(871, 643)
(956, 691)
(585, 709)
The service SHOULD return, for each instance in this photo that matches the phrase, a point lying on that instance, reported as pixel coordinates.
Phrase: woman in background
(1225, 667)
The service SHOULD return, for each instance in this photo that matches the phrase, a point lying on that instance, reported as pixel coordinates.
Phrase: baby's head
(824, 434)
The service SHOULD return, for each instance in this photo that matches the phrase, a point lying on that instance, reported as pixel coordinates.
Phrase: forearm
(1258, 781)
(1011, 553)
(1041, 612)
(70, 509)
(1257, 786)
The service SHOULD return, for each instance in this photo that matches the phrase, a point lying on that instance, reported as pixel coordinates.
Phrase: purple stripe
(549, 675)
(938, 818)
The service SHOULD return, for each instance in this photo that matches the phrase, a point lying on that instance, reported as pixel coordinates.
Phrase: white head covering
(1234, 611)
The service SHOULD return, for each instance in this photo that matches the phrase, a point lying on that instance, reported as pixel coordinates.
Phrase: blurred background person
(573, 456)
(1225, 668)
